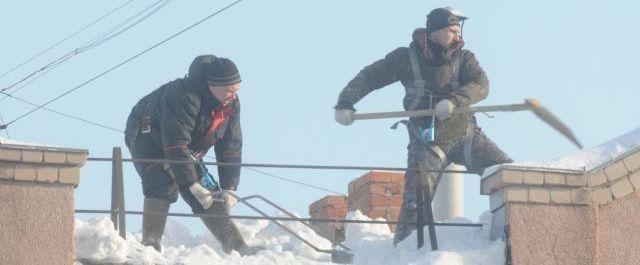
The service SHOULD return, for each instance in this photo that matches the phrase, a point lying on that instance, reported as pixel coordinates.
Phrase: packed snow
(97, 242)
(585, 160)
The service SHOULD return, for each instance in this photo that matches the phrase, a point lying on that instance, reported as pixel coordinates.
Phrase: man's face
(448, 37)
(225, 94)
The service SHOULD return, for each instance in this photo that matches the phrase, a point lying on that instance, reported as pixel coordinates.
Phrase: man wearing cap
(436, 74)
(181, 121)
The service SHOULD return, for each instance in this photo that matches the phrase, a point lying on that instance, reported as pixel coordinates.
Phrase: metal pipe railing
(289, 219)
(118, 212)
(101, 159)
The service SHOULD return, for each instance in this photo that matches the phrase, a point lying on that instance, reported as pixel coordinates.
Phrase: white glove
(444, 109)
(227, 196)
(344, 116)
(201, 194)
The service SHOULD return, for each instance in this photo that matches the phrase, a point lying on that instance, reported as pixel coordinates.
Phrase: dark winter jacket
(474, 85)
(180, 115)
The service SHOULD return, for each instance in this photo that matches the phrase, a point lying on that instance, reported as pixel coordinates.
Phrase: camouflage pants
(481, 153)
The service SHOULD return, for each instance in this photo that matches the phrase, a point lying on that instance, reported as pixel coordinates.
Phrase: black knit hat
(222, 72)
(198, 67)
(440, 18)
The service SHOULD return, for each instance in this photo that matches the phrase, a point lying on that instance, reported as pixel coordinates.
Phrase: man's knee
(156, 182)
(163, 192)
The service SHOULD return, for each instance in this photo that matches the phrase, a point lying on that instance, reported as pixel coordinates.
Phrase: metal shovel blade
(341, 256)
(548, 117)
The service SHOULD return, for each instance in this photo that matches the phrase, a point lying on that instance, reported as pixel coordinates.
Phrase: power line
(5, 131)
(66, 38)
(92, 43)
(295, 181)
(286, 179)
(122, 63)
(24, 85)
(118, 130)
(121, 131)
(101, 40)
(97, 41)
(62, 114)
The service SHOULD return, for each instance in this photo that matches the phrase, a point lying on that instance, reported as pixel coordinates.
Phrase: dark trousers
(157, 180)
(158, 183)
(475, 155)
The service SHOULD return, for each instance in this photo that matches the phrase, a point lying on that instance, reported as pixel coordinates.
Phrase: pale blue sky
(577, 57)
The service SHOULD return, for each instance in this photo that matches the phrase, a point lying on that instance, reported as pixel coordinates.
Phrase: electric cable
(102, 38)
(65, 39)
(4, 126)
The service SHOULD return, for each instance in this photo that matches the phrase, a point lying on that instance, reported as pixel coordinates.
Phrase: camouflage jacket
(396, 66)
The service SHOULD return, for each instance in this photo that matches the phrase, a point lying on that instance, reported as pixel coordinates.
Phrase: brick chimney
(331, 207)
(377, 194)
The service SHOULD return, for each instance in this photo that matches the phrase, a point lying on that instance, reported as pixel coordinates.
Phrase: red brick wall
(333, 207)
(377, 194)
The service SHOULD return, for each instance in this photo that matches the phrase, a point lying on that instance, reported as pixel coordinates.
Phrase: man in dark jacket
(181, 121)
(437, 74)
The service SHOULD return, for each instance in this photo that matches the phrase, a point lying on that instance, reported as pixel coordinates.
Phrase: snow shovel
(338, 256)
(529, 104)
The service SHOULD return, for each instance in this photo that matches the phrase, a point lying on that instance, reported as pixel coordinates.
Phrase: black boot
(226, 232)
(153, 224)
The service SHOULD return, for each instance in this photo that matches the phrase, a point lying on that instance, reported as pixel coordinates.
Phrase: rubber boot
(153, 224)
(226, 232)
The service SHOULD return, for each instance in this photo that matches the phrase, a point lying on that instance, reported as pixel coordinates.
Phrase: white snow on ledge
(371, 244)
(9, 141)
(5, 141)
(585, 160)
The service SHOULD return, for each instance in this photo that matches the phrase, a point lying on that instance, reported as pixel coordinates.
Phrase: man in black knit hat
(182, 120)
(437, 74)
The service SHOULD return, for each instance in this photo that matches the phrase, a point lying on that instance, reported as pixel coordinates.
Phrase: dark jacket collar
(202, 89)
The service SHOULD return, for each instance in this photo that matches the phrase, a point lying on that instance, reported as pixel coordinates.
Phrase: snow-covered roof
(586, 160)
(97, 241)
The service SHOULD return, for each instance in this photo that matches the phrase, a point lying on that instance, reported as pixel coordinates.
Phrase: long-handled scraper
(529, 104)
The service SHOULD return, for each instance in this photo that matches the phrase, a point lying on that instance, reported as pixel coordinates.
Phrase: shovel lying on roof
(529, 104)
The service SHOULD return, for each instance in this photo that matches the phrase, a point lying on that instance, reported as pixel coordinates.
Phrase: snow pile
(586, 160)
(372, 244)
(96, 241)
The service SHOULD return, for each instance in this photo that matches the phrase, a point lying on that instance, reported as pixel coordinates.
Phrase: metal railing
(118, 211)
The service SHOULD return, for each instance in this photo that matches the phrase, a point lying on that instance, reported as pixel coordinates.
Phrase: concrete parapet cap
(509, 176)
(41, 164)
(535, 186)
(43, 155)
